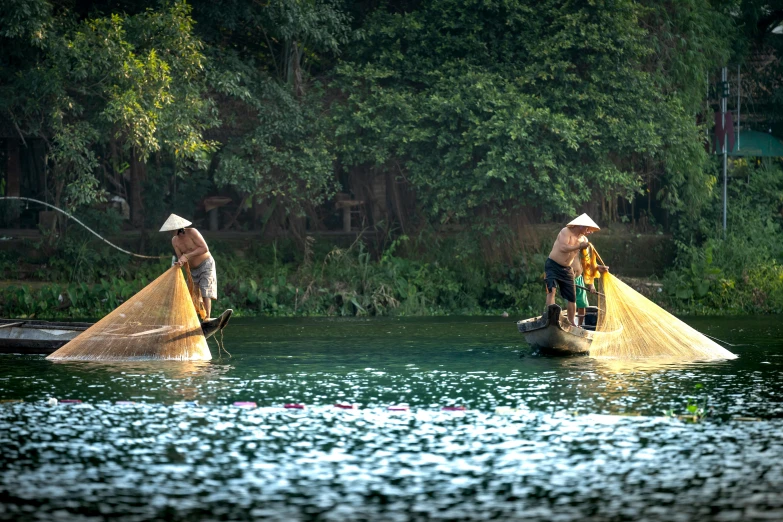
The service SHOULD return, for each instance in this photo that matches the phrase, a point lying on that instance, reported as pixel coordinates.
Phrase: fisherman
(559, 273)
(193, 250)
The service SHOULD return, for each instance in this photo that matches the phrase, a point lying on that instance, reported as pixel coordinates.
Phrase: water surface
(542, 438)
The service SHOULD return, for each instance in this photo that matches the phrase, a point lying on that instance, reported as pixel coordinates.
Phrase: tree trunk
(58, 194)
(240, 208)
(294, 68)
(391, 180)
(138, 173)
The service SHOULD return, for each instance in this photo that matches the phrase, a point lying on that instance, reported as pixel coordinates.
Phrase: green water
(585, 440)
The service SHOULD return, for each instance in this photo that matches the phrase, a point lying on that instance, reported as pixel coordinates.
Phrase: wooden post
(346, 218)
(213, 220)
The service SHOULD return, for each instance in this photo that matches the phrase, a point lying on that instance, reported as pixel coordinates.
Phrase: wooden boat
(551, 334)
(44, 337)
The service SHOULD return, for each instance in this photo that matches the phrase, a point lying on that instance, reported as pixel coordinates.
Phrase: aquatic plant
(696, 408)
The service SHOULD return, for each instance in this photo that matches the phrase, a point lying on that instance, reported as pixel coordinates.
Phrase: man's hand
(602, 268)
(583, 243)
(181, 261)
(592, 289)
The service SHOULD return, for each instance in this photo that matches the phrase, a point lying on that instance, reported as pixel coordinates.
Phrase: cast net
(631, 326)
(159, 322)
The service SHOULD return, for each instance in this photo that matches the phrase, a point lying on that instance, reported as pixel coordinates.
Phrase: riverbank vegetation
(437, 137)
(278, 279)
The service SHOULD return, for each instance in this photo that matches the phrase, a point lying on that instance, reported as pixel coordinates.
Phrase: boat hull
(550, 334)
(44, 337)
(34, 337)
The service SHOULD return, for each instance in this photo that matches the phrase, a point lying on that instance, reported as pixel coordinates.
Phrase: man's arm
(565, 247)
(178, 252)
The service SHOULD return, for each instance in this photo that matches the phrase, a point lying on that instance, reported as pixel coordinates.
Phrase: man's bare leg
(550, 296)
(580, 316)
(571, 312)
(208, 307)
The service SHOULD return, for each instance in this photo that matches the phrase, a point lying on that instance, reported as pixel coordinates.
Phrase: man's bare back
(190, 247)
(565, 250)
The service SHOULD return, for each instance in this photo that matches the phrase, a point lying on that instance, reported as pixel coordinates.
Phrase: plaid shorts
(205, 277)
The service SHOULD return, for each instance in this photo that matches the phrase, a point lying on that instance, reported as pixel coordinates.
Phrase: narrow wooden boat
(551, 334)
(44, 337)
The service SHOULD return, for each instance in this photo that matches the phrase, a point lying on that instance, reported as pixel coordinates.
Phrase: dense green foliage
(106, 91)
(499, 105)
(272, 281)
(282, 151)
(742, 273)
(470, 119)
(482, 108)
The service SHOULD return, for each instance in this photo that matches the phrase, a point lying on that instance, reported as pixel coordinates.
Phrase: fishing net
(631, 326)
(159, 322)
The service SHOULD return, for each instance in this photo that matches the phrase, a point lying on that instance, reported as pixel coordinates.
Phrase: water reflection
(166, 369)
(652, 364)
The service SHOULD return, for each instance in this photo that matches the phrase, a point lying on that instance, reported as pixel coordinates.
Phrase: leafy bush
(743, 272)
(266, 280)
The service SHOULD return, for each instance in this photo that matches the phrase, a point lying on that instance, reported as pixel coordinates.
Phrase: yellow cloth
(589, 261)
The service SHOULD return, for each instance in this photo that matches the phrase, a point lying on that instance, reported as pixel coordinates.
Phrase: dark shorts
(562, 276)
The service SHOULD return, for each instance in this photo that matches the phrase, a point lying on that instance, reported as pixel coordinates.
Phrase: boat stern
(551, 334)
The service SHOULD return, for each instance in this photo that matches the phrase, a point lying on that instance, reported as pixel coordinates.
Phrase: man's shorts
(581, 295)
(205, 277)
(561, 276)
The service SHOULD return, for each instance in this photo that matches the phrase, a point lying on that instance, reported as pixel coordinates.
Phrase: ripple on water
(153, 460)
(578, 439)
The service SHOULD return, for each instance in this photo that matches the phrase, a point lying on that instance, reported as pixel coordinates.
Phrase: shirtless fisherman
(192, 249)
(559, 273)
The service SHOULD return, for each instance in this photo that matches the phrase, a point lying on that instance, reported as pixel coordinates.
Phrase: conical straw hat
(584, 221)
(174, 222)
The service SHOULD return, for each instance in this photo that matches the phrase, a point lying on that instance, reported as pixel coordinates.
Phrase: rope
(724, 342)
(221, 345)
(82, 224)
(597, 254)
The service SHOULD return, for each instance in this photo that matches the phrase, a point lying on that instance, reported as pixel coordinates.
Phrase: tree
(278, 149)
(490, 107)
(126, 86)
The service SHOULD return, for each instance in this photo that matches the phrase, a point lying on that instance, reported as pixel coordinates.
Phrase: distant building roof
(757, 144)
